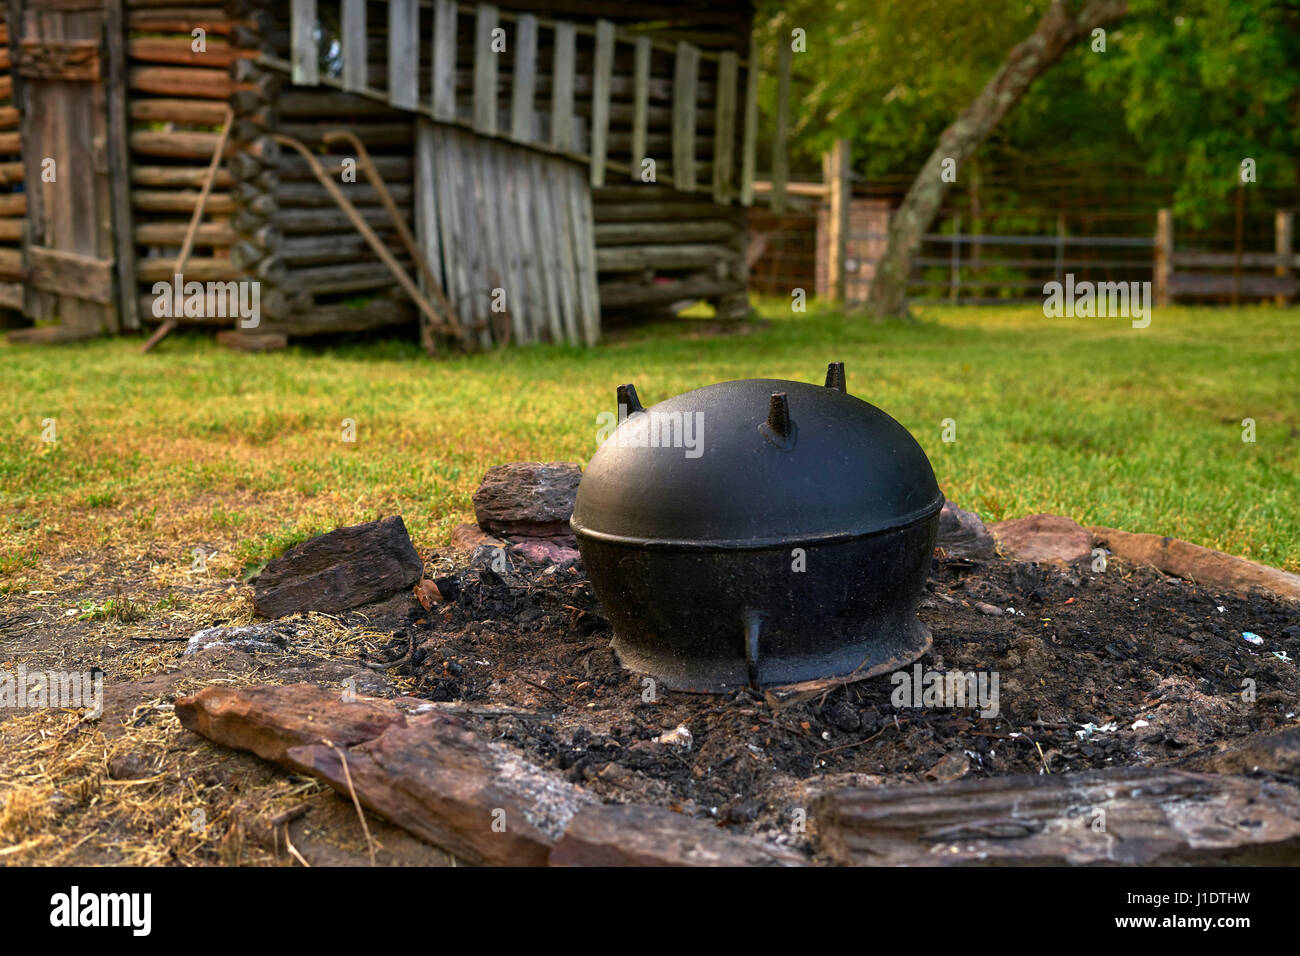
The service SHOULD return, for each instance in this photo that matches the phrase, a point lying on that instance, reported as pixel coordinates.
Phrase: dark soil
(1075, 651)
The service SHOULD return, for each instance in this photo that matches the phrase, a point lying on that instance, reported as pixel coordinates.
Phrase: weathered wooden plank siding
(12, 202)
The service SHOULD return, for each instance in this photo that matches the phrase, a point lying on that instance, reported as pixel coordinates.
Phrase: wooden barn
(498, 173)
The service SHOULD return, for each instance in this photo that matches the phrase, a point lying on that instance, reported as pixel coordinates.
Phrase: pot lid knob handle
(835, 377)
(627, 399)
(779, 427)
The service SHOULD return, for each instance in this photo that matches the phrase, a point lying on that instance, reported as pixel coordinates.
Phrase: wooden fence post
(954, 263)
(1058, 266)
(780, 159)
(1283, 233)
(1164, 256)
(749, 142)
(686, 75)
(303, 51)
(355, 67)
(838, 170)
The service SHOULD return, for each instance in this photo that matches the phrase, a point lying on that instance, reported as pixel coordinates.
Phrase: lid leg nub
(778, 415)
(835, 377)
(627, 399)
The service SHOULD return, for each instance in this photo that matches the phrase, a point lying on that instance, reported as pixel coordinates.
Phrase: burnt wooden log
(638, 835)
(342, 569)
(1131, 816)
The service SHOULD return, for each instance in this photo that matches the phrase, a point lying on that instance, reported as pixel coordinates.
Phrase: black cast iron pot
(759, 533)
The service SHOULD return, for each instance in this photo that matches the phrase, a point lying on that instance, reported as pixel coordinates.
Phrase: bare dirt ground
(1117, 668)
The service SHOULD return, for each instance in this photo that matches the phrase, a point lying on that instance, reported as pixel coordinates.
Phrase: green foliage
(1184, 91)
(1206, 84)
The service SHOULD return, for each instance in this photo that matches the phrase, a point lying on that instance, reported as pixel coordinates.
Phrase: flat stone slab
(438, 780)
(340, 570)
(640, 835)
(529, 498)
(1192, 562)
(419, 768)
(268, 636)
(467, 537)
(269, 720)
(1043, 538)
(1135, 816)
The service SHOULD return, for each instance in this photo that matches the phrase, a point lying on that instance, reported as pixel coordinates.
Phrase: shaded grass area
(195, 447)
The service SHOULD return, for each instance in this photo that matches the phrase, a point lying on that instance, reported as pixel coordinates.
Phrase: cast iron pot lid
(754, 463)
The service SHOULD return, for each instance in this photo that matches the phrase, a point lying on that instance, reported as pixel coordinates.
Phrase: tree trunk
(1059, 28)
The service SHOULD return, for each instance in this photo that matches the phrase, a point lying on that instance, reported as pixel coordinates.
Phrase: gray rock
(340, 570)
(529, 498)
(271, 636)
(962, 534)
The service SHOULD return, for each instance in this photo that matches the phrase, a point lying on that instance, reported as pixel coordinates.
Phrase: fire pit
(759, 533)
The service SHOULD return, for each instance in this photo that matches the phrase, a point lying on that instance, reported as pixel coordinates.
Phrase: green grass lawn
(195, 446)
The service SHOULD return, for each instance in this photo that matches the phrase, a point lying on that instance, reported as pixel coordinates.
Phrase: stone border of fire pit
(1056, 539)
(418, 765)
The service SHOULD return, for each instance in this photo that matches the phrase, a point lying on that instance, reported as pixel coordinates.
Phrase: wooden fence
(1235, 275)
(715, 92)
(13, 200)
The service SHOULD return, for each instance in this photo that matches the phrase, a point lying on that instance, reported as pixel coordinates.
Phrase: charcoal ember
(842, 716)
(492, 557)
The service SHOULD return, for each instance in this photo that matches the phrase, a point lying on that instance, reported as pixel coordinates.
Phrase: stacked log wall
(176, 104)
(13, 200)
(332, 279)
(655, 245)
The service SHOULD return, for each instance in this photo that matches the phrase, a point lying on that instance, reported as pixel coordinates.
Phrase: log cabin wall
(320, 273)
(268, 219)
(176, 105)
(13, 200)
(654, 244)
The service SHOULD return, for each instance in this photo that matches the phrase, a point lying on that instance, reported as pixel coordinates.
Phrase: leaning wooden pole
(437, 321)
(163, 330)
(434, 288)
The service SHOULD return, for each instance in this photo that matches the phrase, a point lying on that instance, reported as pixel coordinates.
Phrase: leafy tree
(1205, 84)
(1185, 89)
